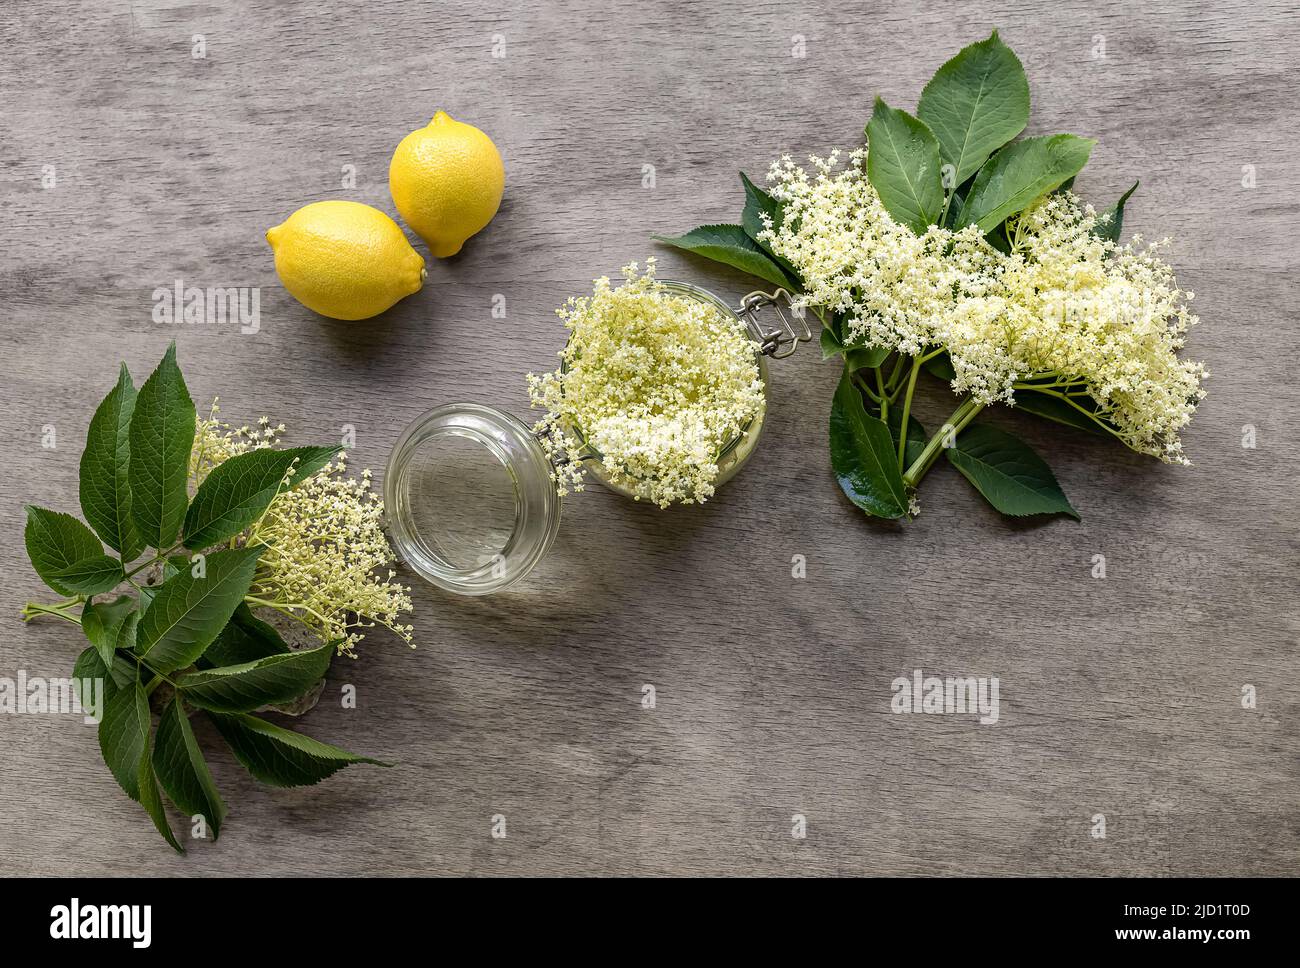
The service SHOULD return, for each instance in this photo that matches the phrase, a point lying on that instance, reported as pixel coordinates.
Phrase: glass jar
(469, 498)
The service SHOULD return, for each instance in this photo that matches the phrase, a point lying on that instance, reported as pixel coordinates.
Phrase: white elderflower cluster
(1095, 323)
(653, 384)
(327, 560)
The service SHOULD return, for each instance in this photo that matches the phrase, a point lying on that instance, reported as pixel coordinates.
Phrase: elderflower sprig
(1063, 312)
(235, 534)
(653, 385)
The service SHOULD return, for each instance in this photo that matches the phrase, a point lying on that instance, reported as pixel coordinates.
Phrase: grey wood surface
(1119, 696)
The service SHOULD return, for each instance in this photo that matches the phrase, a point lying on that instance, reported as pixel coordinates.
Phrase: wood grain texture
(1119, 696)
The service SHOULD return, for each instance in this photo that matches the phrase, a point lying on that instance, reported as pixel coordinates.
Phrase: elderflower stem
(32, 609)
(862, 385)
(160, 556)
(158, 677)
(895, 381)
(290, 609)
(962, 416)
(907, 411)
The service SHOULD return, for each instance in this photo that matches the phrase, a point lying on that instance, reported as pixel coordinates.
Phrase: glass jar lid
(469, 499)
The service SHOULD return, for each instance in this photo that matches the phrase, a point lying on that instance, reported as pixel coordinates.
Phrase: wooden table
(1120, 696)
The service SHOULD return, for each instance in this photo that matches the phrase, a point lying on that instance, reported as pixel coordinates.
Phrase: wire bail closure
(776, 343)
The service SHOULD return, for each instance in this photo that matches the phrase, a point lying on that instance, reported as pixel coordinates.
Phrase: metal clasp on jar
(780, 342)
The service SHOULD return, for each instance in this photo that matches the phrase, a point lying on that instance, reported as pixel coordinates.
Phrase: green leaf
(1056, 409)
(759, 202)
(864, 455)
(161, 437)
(1020, 173)
(829, 344)
(976, 103)
(903, 167)
(56, 541)
(246, 638)
(105, 622)
(1111, 222)
(240, 489)
(92, 576)
(998, 238)
(179, 765)
(172, 566)
(855, 357)
(730, 245)
(940, 367)
(954, 208)
(89, 666)
(280, 757)
(124, 734)
(263, 682)
(860, 357)
(105, 487)
(1005, 469)
(151, 799)
(187, 613)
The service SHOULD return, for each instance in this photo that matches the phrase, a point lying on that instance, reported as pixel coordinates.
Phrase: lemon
(345, 260)
(446, 180)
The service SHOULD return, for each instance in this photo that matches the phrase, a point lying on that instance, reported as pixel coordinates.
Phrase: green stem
(158, 677)
(895, 376)
(968, 417)
(884, 397)
(862, 385)
(1014, 240)
(288, 609)
(907, 410)
(32, 609)
(962, 416)
(158, 556)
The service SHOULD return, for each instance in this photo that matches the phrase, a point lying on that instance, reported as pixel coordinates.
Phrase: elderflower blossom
(653, 384)
(1095, 323)
(326, 559)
